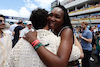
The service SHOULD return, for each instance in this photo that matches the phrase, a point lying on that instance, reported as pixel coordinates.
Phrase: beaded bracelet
(37, 46)
(35, 42)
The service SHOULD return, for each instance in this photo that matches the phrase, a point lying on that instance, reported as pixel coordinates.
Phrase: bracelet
(35, 42)
(37, 46)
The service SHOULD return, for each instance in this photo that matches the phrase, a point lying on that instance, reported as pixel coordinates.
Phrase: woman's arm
(79, 45)
(64, 50)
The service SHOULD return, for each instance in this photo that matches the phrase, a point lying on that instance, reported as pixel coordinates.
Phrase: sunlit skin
(56, 19)
(2, 25)
(65, 47)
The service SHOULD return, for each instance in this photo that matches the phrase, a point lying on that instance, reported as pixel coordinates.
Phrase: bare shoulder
(67, 33)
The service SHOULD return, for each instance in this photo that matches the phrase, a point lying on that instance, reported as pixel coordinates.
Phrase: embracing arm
(63, 53)
(79, 45)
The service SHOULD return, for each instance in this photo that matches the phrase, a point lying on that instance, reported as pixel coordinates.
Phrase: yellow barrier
(84, 9)
(86, 19)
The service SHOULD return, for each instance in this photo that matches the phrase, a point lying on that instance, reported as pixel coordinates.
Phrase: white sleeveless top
(24, 55)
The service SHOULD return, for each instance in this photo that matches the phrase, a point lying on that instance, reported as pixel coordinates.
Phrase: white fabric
(12, 27)
(24, 55)
(2, 40)
(9, 32)
(5, 48)
(24, 31)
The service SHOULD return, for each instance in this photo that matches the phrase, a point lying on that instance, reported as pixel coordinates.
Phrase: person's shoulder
(8, 31)
(19, 27)
(18, 45)
(16, 28)
(67, 28)
(66, 32)
(89, 31)
(13, 25)
(24, 29)
(43, 31)
(6, 34)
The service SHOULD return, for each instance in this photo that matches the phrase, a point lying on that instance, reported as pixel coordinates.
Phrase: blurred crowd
(95, 39)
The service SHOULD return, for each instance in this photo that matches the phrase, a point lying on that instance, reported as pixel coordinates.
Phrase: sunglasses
(2, 21)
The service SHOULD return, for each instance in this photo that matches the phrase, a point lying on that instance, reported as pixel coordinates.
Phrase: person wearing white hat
(28, 27)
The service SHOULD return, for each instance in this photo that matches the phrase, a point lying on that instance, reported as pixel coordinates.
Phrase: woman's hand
(30, 36)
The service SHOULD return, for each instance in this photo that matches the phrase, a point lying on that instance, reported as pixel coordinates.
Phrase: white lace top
(24, 55)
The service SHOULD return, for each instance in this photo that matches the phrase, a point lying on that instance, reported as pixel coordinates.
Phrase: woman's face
(56, 18)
